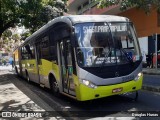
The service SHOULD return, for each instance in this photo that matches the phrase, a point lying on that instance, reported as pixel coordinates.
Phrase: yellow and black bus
(83, 56)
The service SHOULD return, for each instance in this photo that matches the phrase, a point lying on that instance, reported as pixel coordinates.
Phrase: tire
(54, 86)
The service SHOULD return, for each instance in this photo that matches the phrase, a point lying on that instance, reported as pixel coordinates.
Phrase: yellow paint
(85, 93)
(29, 65)
(44, 69)
(48, 66)
(16, 55)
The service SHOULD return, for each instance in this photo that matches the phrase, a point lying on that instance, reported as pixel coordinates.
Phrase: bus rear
(108, 59)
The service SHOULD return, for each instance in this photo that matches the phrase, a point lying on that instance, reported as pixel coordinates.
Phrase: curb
(151, 88)
(151, 73)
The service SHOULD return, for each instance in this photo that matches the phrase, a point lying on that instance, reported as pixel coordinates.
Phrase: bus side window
(32, 48)
(45, 48)
(38, 52)
(53, 47)
(24, 53)
(29, 51)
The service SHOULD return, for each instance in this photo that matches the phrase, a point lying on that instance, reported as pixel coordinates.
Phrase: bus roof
(73, 19)
(96, 18)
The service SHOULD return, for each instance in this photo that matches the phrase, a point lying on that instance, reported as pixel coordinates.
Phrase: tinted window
(45, 48)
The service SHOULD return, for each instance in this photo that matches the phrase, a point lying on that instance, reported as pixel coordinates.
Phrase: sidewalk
(151, 71)
(2, 68)
(149, 83)
(14, 100)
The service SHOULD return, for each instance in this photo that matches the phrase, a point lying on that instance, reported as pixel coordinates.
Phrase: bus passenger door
(67, 67)
(43, 62)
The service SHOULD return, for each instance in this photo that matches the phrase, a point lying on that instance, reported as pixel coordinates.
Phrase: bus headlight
(88, 83)
(138, 76)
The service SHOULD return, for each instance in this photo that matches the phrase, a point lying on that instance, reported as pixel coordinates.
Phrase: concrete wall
(145, 25)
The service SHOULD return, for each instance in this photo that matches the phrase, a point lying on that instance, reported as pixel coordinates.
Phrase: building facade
(147, 25)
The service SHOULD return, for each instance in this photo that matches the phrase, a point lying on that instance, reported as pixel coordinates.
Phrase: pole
(156, 51)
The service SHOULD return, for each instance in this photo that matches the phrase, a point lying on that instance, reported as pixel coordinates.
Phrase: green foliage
(7, 14)
(16, 37)
(8, 41)
(30, 13)
(7, 33)
(25, 35)
(125, 4)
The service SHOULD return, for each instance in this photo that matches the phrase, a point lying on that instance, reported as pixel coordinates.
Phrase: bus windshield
(104, 44)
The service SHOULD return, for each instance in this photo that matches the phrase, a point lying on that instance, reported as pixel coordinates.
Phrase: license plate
(117, 90)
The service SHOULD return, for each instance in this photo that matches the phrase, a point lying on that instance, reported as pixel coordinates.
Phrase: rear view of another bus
(108, 57)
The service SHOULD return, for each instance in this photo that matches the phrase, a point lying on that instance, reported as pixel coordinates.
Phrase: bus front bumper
(85, 93)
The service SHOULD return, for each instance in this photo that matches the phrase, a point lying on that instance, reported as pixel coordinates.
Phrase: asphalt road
(121, 106)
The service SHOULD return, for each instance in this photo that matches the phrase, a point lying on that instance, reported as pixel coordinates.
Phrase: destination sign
(118, 28)
(95, 29)
(92, 29)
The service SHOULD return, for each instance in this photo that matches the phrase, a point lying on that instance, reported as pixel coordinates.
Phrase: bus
(84, 57)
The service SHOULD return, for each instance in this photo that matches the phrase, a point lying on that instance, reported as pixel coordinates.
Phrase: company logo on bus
(117, 74)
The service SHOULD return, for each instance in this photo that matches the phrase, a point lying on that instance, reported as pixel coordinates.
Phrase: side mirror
(73, 39)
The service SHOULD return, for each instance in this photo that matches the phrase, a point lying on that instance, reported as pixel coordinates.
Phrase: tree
(42, 14)
(9, 41)
(31, 13)
(10, 12)
(5, 39)
(7, 33)
(25, 35)
(125, 4)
